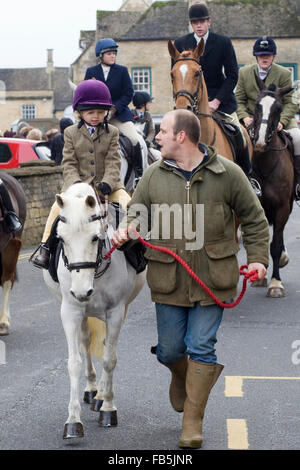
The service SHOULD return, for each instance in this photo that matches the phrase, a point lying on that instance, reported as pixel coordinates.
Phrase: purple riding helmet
(91, 94)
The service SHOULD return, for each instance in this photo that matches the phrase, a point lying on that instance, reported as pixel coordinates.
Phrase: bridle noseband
(89, 264)
(192, 98)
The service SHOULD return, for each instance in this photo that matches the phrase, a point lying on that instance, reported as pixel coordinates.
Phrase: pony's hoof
(108, 418)
(73, 430)
(276, 292)
(4, 329)
(89, 396)
(262, 283)
(96, 405)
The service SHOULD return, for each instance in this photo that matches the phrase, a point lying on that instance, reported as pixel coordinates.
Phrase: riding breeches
(127, 128)
(295, 134)
(120, 196)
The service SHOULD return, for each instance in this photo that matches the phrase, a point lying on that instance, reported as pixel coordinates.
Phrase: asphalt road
(254, 405)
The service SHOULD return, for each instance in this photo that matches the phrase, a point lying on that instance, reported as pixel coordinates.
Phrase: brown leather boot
(177, 391)
(200, 379)
(42, 259)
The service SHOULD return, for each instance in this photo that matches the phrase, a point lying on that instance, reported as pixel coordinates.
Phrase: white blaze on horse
(90, 286)
(10, 247)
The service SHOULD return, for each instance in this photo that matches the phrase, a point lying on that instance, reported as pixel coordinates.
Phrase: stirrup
(256, 186)
(136, 181)
(297, 192)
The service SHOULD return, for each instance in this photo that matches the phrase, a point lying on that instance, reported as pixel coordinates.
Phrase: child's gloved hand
(104, 188)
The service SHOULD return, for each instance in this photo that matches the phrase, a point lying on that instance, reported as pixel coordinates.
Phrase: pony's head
(187, 76)
(266, 117)
(82, 232)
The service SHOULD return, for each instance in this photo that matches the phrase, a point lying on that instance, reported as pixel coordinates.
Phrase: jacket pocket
(161, 272)
(223, 264)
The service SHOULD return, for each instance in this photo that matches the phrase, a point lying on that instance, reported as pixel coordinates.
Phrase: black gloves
(104, 188)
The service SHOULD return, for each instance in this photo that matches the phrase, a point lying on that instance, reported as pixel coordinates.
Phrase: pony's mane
(76, 211)
(185, 54)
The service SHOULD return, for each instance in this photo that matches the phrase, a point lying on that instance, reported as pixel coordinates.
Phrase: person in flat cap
(220, 71)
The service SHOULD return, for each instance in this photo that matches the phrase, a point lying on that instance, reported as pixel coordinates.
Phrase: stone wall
(40, 183)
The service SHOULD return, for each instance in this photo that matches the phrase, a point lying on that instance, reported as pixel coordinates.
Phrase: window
(5, 153)
(141, 79)
(28, 111)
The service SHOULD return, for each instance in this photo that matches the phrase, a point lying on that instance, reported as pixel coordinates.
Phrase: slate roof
(35, 79)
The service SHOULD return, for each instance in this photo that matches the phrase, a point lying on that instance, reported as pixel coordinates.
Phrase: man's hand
(261, 270)
(214, 104)
(248, 121)
(120, 237)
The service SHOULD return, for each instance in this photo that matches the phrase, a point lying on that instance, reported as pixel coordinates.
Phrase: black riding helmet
(141, 98)
(264, 46)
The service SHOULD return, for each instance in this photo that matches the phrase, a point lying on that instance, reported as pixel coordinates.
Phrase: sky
(29, 27)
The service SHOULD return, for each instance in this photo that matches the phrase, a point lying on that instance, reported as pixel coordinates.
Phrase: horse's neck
(207, 123)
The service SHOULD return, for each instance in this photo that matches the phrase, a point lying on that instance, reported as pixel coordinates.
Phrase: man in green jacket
(247, 92)
(187, 203)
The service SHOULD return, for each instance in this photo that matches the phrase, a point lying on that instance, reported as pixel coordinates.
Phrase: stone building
(37, 95)
(142, 29)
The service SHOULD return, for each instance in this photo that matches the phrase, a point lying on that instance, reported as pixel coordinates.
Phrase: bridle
(96, 265)
(191, 97)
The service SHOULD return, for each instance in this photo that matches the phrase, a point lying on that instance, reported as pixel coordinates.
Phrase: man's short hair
(189, 123)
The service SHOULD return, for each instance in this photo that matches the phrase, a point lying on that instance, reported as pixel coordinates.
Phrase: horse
(10, 247)
(273, 167)
(90, 288)
(190, 92)
(127, 172)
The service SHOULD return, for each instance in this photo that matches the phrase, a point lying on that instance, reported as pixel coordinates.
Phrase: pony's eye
(95, 238)
(197, 73)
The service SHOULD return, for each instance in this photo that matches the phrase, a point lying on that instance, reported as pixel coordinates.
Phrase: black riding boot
(11, 220)
(137, 161)
(243, 160)
(297, 176)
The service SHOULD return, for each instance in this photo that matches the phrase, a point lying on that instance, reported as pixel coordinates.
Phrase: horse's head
(82, 233)
(267, 111)
(187, 76)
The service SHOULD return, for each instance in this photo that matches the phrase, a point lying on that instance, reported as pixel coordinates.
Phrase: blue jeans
(187, 330)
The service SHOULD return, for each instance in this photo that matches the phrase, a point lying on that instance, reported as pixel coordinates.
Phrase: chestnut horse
(9, 248)
(273, 167)
(190, 92)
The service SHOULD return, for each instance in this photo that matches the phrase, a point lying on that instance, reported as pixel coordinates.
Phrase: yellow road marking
(234, 383)
(24, 256)
(237, 433)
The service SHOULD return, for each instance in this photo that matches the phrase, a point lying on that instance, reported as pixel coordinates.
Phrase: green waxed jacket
(217, 188)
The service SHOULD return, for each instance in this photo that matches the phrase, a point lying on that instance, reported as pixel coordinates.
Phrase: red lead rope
(252, 275)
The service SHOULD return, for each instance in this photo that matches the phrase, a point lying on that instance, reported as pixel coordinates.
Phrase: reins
(252, 275)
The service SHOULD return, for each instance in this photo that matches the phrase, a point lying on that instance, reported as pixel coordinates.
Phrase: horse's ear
(285, 90)
(198, 52)
(172, 50)
(59, 200)
(260, 83)
(90, 201)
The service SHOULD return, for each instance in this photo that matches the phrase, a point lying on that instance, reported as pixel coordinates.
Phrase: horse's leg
(72, 320)
(108, 412)
(276, 288)
(284, 257)
(9, 263)
(90, 373)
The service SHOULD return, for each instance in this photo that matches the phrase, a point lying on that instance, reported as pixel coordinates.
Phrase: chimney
(50, 67)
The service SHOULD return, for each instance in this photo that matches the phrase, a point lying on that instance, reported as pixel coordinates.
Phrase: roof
(36, 79)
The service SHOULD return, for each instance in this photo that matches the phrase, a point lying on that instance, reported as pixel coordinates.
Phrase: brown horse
(9, 248)
(273, 166)
(190, 92)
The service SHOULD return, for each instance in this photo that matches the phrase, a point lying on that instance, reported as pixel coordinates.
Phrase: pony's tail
(98, 334)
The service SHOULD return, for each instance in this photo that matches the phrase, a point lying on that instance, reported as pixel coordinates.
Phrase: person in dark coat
(57, 144)
(218, 54)
(118, 81)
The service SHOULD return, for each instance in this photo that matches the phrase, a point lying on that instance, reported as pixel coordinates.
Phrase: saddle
(232, 133)
(134, 254)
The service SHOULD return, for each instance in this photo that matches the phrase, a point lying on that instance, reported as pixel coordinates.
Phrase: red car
(16, 151)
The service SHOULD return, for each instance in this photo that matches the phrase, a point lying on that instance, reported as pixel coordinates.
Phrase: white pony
(90, 286)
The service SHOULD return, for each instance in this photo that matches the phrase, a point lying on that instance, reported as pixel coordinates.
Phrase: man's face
(200, 27)
(166, 138)
(264, 61)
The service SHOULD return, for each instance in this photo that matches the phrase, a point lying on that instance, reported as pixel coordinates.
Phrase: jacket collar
(212, 163)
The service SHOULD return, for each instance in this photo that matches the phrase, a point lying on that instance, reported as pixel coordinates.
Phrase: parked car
(14, 152)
